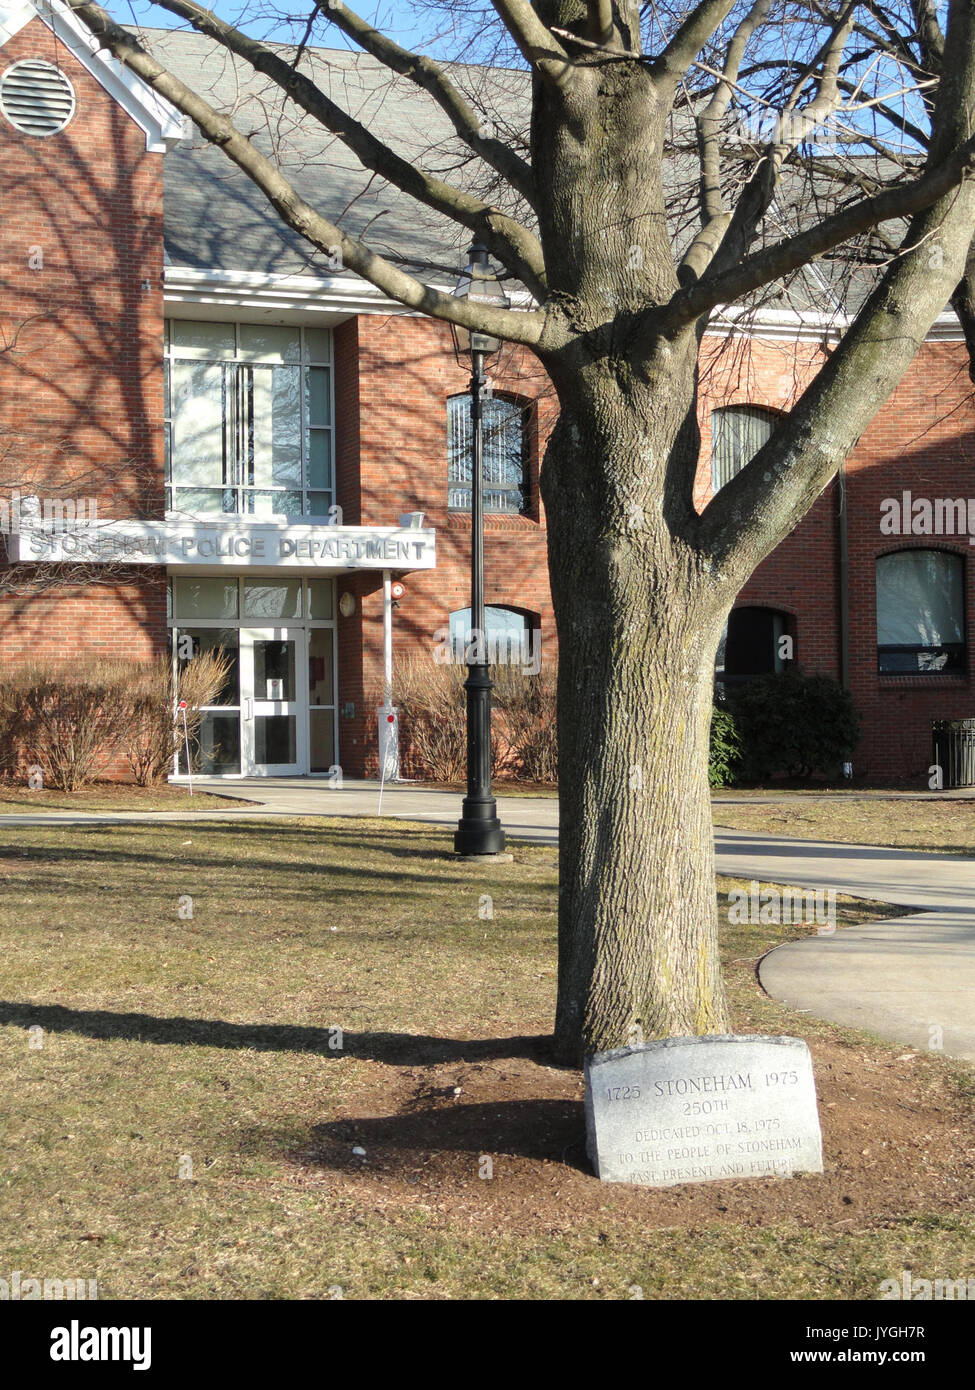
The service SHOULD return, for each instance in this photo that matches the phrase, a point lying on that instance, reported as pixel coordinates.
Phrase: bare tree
(676, 162)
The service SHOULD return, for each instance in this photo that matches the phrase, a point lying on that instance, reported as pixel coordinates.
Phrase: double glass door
(272, 673)
(275, 713)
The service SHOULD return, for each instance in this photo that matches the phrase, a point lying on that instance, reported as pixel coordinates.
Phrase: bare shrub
(9, 713)
(527, 703)
(70, 722)
(152, 738)
(431, 702)
(433, 721)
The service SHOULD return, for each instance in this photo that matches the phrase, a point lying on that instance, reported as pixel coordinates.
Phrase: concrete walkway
(909, 979)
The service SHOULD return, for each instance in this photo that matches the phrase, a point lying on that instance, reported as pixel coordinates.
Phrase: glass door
(273, 680)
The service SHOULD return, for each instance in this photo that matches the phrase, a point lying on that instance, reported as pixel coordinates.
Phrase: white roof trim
(239, 289)
(811, 325)
(161, 122)
(343, 296)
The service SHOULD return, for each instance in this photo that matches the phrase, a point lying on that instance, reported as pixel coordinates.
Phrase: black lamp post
(478, 830)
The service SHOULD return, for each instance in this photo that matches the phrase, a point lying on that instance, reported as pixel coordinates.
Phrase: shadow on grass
(545, 1129)
(396, 1049)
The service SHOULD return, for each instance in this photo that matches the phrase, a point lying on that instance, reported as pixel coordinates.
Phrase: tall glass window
(504, 442)
(249, 419)
(737, 434)
(920, 612)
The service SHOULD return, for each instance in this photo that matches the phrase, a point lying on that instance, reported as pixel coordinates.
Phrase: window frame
(524, 413)
(766, 412)
(956, 662)
(531, 622)
(778, 618)
(241, 489)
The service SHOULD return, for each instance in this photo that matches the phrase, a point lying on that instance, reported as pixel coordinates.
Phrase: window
(751, 645)
(505, 454)
(920, 612)
(737, 434)
(508, 637)
(249, 419)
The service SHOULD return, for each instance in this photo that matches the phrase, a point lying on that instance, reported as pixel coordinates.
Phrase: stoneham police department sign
(193, 543)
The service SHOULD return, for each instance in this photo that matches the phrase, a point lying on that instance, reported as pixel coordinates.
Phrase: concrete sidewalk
(909, 979)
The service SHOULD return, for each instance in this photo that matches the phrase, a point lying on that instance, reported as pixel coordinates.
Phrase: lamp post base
(478, 830)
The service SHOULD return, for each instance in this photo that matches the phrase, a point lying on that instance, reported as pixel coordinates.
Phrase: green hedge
(724, 754)
(792, 725)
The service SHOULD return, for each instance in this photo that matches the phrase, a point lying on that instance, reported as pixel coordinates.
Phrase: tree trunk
(637, 915)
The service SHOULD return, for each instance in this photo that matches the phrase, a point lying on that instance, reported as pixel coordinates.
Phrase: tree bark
(637, 915)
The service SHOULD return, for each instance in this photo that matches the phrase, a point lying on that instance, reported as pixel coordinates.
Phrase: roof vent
(36, 97)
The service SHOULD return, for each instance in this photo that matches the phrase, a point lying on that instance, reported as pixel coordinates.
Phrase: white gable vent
(36, 97)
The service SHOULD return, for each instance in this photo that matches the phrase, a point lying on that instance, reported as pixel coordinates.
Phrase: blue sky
(422, 27)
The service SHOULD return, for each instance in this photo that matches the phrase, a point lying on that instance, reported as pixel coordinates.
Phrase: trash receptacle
(953, 744)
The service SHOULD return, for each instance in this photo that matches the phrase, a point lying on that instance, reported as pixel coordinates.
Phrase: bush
(724, 752)
(9, 714)
(155, 731)
(69, 723)
(794, 725)
(528, 724)
(432, 705)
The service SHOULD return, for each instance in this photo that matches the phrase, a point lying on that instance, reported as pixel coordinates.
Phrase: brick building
(258, 446)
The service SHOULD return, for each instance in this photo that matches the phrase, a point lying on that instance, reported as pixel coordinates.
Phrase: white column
(387, 638)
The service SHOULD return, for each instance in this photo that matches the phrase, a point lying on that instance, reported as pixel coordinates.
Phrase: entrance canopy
(234, 541)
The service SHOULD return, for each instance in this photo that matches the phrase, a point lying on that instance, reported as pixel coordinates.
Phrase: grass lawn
(111, 796)
(204, 1046)
(947, 826)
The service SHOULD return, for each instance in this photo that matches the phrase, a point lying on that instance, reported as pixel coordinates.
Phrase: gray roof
(216, 218)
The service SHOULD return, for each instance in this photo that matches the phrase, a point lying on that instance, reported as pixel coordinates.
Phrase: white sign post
(186, 742)
(388, 719)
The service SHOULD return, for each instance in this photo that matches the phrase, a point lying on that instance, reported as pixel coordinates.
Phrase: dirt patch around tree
(896, 1138)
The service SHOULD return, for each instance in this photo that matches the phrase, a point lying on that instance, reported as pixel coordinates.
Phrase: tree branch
(773, 262)
(430, 76)
(600, 17)
(699, 26)
(537, 43)
(504, 237)
(750, 515)
(514, 326)
(714, 218)
(932, 40)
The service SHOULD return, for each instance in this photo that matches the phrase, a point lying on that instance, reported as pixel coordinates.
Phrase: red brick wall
(923, 440)
(81, 393)
(407, 369)
(801, 577)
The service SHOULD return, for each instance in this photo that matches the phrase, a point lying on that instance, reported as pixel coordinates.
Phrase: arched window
(752, 645)
(505, 445)
(737, 434)
(920, 612)
(508, 637)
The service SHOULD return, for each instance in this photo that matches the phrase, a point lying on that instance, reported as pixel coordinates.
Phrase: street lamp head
(478, 284)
